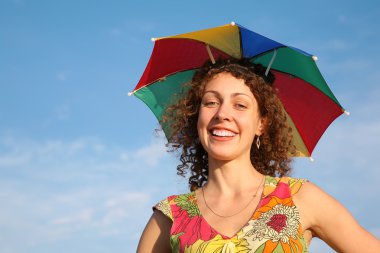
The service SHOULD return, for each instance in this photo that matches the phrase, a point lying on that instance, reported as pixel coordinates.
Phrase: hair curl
(180, 119)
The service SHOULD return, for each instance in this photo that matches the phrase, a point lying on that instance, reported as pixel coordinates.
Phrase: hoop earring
(258, 142)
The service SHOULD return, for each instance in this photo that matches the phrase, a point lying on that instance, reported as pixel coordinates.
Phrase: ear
(262, 126)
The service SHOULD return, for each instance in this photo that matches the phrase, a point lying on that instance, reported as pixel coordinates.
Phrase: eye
(240, 106)
(210, 103)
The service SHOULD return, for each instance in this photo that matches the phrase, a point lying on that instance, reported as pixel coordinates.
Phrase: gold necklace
(245, 207)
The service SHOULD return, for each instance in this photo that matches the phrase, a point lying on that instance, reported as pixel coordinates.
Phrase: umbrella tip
(153, 39)
(315, 58)
(311, 159)
(130, 94)
(347, 113)
(233, 23)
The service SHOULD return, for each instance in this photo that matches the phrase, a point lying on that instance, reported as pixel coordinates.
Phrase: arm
(156, 235)
(327, 219)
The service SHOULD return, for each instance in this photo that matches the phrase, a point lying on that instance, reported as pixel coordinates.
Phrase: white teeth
(223, 133)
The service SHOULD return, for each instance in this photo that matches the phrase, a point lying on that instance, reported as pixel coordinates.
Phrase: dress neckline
(262, 197)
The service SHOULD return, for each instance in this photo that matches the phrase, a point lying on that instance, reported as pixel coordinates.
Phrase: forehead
(227, 83)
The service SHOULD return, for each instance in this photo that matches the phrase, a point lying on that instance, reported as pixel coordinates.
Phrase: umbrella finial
(233, 23)
(153, 39)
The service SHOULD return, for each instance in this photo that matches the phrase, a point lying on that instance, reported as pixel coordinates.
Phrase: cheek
(200, 123)
(198, 126)
(251, 125)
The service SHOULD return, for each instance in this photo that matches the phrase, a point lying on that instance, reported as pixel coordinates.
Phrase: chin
(222, 156)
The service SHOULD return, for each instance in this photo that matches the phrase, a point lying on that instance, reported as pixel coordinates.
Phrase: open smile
(216, 132)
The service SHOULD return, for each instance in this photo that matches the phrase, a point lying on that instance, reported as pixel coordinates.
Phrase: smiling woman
(235, 141)
(248, 86)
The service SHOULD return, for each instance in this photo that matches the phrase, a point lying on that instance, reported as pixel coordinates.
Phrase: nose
(223, 112)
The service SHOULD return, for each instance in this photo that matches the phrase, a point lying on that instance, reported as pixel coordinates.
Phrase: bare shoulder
(156, 235)
(329, 220)
(310, 195)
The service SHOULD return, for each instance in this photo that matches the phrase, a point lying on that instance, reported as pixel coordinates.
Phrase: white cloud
(342, 19)
(337, 44)
(325, 47)
(114, 216)
(134, 33)
(37, 217)
(352, 66)
(151, 154)
(56, 190)
(14, 160)
(76, 219)
(135, 198)
(124, 156)
(116, 31)
(118, 207)
(87, 151)
(18, 2)
(62, 76)
(63, 112)
(142, 27)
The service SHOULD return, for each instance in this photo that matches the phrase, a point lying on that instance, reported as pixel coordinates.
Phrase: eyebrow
(232, 95)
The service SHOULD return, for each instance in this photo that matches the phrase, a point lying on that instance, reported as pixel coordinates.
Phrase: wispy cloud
(57, 190)
(14, 160)
(77, 219)
(134, 33)
(315, 46)
(63, 112)
(83, 157)
(116, 31)
(18, 2)
(342, 19)
(62, 76)
(117, 208)
(152, 154)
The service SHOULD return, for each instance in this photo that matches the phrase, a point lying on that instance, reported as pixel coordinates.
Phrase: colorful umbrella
(305, 95)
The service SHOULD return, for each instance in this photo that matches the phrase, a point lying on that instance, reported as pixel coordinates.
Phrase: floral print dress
(274, 227)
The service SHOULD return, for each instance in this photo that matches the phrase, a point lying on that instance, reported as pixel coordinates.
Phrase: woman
(235, 141)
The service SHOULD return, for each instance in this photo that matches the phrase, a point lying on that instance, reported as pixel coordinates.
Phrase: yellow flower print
(218, 244)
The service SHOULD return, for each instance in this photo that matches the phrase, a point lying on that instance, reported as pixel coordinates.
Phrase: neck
(232, 177)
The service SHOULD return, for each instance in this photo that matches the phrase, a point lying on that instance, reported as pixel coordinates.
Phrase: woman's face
(228, 118)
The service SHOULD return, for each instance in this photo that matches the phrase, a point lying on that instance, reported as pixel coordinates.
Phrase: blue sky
(80, 162)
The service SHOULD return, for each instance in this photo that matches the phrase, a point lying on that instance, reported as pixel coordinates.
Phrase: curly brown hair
(180, 120)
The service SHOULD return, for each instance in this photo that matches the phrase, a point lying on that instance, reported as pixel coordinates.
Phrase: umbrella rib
(271, 62)
(210, 54)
